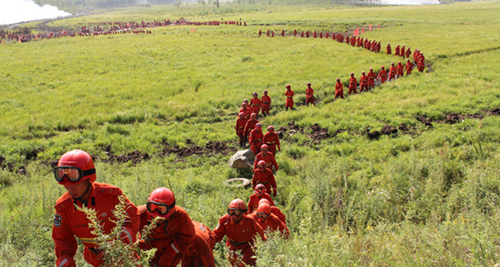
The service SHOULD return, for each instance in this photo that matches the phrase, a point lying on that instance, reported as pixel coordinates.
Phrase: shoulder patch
(57, 220)
(110, 190)
(64, 204)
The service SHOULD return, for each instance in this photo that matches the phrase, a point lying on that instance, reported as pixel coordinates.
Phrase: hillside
(426, 195)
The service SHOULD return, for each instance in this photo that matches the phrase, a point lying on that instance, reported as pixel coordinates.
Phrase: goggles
(73, 174)
(159, 208)
(235, 212)
(262, 215)
(259, 190)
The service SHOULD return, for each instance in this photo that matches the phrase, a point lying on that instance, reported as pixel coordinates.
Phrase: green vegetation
(427, 198)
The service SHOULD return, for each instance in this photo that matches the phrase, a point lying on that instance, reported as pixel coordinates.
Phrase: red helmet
(338, 79)
(399, 62)
(308, 84)
(392, 63)
(382, 67)
(243, 104)
(253, 115)
(254, 93)
(363, 72)
(264, 208)
(270, 128)
(261, 164)
(288, 86)
(238, 204)
(371, 69)
(242, 114)
(352, 74)
(264, 146)
(75, 167)
(264, 200)
(260, 188)
(408, 60)
(161, 202)
(245, 101)
(258, 125)
(265, 91)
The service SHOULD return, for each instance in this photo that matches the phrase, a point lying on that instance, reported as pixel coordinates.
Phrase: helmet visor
(235, 212)
(73, 174)
(159, 208)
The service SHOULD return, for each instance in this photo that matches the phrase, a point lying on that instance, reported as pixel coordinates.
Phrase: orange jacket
(240, 125)
(70, 223)
(255, 137)
(276, 211)
(339, 87)
(273, 223)
(176, 234)
(363, 79)
(240, 235)
(200, 254)
(372, 76)
(309, 92)
(264, 176)
(389, 49)
(272, 139)
(255, 102)
(253, 203)
(266, 101)
(392, 70)
(401, 68)
(247, 112)
(353, 82)
(409, 67)
(382, 74)
(289, 93)
(250, 126)
(396, 51)
(268, 158)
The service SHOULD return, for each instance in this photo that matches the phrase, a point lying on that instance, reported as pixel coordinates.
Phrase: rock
(242, 159)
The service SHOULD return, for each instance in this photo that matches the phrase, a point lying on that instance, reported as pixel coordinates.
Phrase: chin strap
(84, 193)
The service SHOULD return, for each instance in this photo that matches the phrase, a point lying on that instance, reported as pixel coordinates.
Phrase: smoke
(410, 2)
(13, 11)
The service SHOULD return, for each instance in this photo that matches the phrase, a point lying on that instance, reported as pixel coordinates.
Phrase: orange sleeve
(65, 242)
(259, 230)
(220, 230)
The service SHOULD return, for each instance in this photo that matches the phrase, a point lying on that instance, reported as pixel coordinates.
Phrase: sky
(13, 11)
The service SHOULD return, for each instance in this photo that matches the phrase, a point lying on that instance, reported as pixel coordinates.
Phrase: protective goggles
(235, 212)
(262, 215)
(259, 190)
(73, 174)
(159, 207)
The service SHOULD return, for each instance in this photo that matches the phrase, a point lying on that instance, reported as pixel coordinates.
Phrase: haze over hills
(410, 2)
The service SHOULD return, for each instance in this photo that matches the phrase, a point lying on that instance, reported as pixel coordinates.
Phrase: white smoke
(410, 2)
(14, 11)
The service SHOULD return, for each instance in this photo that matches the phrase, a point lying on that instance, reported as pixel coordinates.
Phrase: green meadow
(426, 197)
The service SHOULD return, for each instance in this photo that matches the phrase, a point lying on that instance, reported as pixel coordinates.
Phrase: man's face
(77, 190)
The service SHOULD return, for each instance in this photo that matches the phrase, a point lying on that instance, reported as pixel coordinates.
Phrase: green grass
(424, 199)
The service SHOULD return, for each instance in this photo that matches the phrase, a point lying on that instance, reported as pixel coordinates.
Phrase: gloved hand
(275, 191)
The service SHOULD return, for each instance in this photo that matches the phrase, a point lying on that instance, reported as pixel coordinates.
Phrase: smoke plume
(14, 11)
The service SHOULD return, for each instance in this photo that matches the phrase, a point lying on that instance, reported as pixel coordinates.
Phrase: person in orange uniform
(266, 103)
(420, 65)
(339, 89)
(408, 53)
(255, 103)
(392, 72)
(289, 97)
(241, 122)
(371, 79)
(382, 75)
(401, 69)
(274, 210)
(353, 83)
(244, 108)
(174, 233)
(272, 140)
(255, 139)
(76, 171)
(250, 125)
(267, 220)
(396, 51)
(309, 94)
(259, 193)
(389, 50)
(409, 67)
(241, 230)
(402, 52)
(263, 175)
(363, 82)
(267, 157)
(200, 253)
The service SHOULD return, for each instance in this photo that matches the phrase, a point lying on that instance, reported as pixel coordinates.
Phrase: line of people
(177, 238)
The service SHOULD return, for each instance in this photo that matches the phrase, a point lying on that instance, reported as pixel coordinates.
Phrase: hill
(426, 195)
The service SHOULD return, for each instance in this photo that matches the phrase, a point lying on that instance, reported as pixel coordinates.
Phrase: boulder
(242, 159)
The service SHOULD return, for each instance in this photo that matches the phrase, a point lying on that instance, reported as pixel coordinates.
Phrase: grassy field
(427, 196)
